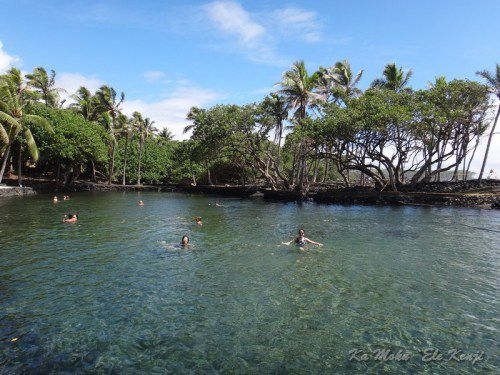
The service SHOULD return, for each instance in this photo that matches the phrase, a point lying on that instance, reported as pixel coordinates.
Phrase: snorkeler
(198, 220)
(140, 203)
(54, 200)
(70, 218)
(185, 241)
(301, 240)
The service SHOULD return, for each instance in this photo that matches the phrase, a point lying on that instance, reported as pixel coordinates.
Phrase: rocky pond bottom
(390, 290)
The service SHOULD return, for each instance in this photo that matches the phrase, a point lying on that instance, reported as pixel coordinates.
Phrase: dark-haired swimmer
(301, 240)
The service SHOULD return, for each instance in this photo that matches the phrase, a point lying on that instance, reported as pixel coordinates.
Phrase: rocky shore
(459, 194)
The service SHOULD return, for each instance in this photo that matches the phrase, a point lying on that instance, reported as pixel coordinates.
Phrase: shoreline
(486, 196)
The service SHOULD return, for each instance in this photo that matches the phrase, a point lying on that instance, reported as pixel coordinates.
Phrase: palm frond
(32, 147)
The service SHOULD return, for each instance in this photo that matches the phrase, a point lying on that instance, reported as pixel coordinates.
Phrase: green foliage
(74, 142)
(156, 161)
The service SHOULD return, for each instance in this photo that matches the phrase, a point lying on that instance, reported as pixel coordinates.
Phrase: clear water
(105, 295)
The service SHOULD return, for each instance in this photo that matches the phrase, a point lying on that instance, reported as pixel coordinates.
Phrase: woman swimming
(301, 240)
(70, 218)
(185, 241)
(198, 220)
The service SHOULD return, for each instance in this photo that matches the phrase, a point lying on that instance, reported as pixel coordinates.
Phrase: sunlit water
(107, 295)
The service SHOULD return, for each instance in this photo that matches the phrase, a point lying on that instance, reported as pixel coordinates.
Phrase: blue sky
(169, 55)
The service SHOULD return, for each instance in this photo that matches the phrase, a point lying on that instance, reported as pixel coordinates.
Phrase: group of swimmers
(67, 218)
(299, 240)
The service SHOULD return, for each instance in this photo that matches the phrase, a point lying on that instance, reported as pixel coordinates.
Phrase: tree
(298, 88)
(108, 105)
(145, 129)
(76, 146)
(126, 130)
(339, 82)
(276, 106)
(493, 81)
(394, 78)
(15, 100)
(44, 84)
(85, 104)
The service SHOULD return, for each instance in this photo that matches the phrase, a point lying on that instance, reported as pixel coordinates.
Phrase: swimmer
(140, 203)
(301, 240)
(54, 200)
(65, 198)
(185, 241)
(70, 218)
(198, 220)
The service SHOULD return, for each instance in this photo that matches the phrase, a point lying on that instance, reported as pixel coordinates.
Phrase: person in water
(54, 200)
(185, 241)
(70, 218)
(65, 197)
(140, 203)
(198, 220)
(301, 240)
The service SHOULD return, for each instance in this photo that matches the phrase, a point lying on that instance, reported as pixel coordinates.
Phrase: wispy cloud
(233, 19)
(258, 35)
(6, 60)
(299, 23)
(153, 75)
(244, 31)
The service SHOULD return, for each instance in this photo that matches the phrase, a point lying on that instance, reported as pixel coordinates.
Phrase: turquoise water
(108, 294)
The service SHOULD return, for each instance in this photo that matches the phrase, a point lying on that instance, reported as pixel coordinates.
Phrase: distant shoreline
(456, 194)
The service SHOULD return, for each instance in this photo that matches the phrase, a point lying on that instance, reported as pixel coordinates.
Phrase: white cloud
(71, 82)
(232, 18)
(6, 60)
(249, 36)
(171, 111)
(299, 22)
(153, 75)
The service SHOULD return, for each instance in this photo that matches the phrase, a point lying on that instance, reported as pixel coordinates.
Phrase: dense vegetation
(317, 128)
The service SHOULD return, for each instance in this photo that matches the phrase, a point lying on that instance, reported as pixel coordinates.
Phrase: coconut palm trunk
(125, 161)
(141, 145)
(488, 145)
(111, 164)
(19, 166)
(4, 162)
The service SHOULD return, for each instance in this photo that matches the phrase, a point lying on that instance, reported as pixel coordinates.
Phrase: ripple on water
(106, 295)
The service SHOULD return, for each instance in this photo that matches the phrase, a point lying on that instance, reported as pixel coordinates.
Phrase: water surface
(106, 295)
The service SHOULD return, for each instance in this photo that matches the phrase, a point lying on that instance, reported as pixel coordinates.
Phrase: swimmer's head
(301, 232)
(184, 240)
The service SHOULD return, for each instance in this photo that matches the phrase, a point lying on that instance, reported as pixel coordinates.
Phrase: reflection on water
(105, 294)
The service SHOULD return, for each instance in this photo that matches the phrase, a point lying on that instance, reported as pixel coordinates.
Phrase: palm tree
(16, 121)
(126, 130)
(299, 90)
(166, 135)
(297, 86)
(145, 129)
(85, 104)
(276, 106)
(44, 83)
(109, 107)
(394, 78)
(493, 81)
(344, 80)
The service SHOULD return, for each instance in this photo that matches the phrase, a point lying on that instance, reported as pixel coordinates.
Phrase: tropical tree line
(387, 136)
(317, 128)
(88, 138)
